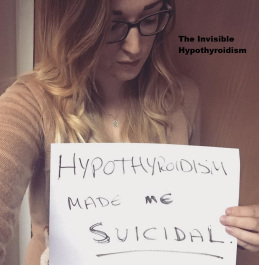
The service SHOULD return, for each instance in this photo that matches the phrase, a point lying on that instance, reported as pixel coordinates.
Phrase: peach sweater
(26, 133)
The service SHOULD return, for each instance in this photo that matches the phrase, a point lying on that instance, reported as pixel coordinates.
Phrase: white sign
(113, 204)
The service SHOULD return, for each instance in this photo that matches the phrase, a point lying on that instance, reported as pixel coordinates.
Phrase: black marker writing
(66, 167)
(153, 233)
(104, 238)
(98, 167)
(90, 202)
(161, 251)
(164, 199)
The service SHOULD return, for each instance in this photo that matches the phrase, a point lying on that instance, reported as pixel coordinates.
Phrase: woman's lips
(129, 63)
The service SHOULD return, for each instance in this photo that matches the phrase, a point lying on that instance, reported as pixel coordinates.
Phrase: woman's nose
(132, 43)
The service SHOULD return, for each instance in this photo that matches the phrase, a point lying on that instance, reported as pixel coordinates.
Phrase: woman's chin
(125, 76)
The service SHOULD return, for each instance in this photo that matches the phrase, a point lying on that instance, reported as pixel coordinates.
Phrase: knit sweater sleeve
(20, 147)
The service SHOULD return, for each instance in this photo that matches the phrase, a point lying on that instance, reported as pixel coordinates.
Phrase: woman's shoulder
(28, 90)
(26, 98)
(27, 83)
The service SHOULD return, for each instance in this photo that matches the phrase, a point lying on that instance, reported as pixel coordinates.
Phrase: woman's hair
(71, 35)
(155, 93)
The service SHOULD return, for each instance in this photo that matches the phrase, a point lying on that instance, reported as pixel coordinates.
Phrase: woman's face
(122, 61)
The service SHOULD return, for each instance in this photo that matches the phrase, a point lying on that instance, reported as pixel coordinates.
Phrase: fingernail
(229, 211)
(223, 219)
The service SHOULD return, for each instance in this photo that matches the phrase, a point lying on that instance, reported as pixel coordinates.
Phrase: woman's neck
(113, 108)
(112, 94)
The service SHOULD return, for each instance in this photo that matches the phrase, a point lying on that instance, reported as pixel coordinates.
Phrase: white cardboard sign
(141, 204)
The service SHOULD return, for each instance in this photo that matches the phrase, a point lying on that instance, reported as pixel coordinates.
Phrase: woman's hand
(242, 222)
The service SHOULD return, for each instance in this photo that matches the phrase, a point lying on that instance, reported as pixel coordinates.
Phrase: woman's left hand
(242, 222)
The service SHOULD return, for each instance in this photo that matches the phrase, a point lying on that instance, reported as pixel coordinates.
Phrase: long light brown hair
(71, 35)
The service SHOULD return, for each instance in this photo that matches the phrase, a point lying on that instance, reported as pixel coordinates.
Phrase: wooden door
(228, 82)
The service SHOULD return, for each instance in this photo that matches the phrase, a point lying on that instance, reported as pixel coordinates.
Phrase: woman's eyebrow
(147, 7)
(150, 6)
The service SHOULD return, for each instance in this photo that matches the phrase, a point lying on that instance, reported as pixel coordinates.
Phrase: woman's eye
(115, 26)
(150, 21)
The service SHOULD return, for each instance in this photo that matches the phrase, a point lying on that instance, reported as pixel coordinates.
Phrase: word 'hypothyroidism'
(97, 166)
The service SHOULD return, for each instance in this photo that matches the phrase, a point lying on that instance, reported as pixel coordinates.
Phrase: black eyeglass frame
(137, 24)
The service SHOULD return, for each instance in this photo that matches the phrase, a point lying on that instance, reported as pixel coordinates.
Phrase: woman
(104, 76)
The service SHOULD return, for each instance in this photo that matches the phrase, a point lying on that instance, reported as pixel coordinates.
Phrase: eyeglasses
(147, 26)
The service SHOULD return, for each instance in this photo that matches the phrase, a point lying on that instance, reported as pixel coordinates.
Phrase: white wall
(24, 35)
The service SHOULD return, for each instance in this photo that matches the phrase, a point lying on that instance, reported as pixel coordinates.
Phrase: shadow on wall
(7, 43)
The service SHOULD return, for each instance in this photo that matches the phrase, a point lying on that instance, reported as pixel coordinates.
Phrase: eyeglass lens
(153, 24)
(148, 26)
